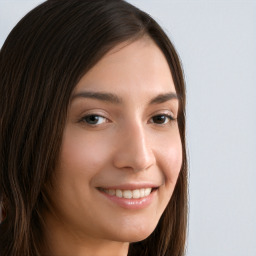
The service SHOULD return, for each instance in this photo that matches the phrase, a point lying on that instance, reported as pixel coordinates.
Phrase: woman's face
(121, 152)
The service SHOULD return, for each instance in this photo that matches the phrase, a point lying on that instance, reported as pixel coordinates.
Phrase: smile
(128, 194)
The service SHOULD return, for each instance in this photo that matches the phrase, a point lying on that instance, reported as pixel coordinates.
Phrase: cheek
(83, 152)
(171, 160)
(82, 158)
(174, 165)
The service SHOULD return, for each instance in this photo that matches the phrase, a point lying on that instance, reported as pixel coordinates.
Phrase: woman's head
(73, 77)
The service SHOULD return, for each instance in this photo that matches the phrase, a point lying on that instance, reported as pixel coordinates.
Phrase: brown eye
(161, 119)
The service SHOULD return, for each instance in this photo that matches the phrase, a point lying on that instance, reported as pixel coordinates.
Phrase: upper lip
(131, 186)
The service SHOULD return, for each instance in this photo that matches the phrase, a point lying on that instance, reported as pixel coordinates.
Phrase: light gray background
(216, 41)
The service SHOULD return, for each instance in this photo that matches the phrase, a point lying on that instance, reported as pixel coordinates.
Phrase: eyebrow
(161, 98)
(109, 97)
(114, 99)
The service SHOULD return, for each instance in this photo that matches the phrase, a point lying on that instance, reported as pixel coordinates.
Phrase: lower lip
(133, 204)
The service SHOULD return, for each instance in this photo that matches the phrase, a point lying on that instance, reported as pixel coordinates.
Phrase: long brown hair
(41, 62)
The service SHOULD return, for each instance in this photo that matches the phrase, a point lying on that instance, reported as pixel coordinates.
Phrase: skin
(126, 145)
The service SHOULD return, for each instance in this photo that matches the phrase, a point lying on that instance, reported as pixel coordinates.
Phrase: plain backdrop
(216, 41)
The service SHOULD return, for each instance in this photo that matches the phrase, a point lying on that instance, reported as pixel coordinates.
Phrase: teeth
(119, 193)
(137, 193)
(147, 191)
(127, 194)
(142, 192)
(112, 192)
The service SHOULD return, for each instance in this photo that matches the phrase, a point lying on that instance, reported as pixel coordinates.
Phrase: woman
(93, 158)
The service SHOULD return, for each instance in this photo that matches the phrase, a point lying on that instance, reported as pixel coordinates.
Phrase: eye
(94, 119)
(161, 119)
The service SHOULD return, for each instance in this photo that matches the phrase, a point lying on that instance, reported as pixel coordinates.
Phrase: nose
(133, 151)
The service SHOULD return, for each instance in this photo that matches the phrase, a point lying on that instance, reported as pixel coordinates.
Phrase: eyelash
(97, 117)
(169, 117)
(90, 116)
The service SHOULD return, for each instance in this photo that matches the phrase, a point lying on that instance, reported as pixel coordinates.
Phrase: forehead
(137, 67)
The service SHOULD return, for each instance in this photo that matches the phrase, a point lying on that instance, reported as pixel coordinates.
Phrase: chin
(135, 234)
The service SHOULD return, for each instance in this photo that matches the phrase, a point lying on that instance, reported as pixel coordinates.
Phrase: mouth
(129, 194)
